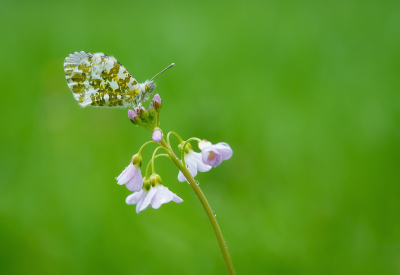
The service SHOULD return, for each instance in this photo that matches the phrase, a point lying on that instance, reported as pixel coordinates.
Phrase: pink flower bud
(131, 114)
(157, 103)
(157, 135)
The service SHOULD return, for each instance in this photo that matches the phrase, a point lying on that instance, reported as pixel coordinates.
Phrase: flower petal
(211, 156)
(136, 183)
(181, 177)
(140, 202)
(126, 175)
(224, 149)
(201, 166)
(177, 199)
(134, 198)
(148, 198)
(203, 144)
(162, 196)
(191, 163)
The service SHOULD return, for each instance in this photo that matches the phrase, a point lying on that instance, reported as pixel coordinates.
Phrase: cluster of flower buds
(148, 118)
(150, 190)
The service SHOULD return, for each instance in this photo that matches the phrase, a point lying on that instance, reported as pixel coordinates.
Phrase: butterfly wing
(99, 80)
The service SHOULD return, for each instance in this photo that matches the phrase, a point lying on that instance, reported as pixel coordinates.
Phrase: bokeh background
(305, 92)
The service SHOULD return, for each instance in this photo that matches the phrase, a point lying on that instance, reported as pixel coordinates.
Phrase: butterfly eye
(147, 88)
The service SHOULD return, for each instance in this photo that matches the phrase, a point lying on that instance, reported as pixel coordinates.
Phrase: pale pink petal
(177, 199)
(181, 177)
(211, 157)
(163, 195)
(134, 198)
(191, 163)
(140, 202)
(201, 166)
(204, 143)
(148, 198)
(224, 149)
(126, 175)
(131, 114)
(136, 183)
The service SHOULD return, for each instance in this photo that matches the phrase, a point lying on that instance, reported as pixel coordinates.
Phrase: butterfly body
(100, 80)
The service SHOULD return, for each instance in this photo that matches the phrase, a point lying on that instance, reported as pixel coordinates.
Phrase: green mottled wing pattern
(100, 80)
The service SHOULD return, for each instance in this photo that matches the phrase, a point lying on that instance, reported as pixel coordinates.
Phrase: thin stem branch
(206, 206)
(153, 158)
(141, 148)
(148, 165)
(175, 134)
(183, 149)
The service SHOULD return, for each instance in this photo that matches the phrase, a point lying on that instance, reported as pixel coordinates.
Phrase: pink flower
(193, 163)
(214, 154)
(155, 197)
(131, 176)
(157, 135)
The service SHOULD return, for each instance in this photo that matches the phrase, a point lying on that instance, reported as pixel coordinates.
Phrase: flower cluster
(150, 190)
(153, 193)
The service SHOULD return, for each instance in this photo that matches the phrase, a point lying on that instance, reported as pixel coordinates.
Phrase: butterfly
(96, 79)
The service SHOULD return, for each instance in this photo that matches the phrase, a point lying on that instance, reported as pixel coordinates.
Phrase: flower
(157, 135)
(193, 163)
(131, 176)
(154, 195)
(214, 154)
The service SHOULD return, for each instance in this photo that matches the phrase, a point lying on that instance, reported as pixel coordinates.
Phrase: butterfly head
(149, 86)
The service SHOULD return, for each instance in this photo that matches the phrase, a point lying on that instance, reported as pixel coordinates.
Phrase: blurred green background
(305, 92)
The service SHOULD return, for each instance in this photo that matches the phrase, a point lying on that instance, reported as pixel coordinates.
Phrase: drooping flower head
(131, 176)
(214, 154)
(153, 193)
(193, 162)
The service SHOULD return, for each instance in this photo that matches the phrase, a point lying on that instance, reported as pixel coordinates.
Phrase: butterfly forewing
(99, 80)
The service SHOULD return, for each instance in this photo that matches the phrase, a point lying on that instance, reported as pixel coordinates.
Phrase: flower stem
(206, 206)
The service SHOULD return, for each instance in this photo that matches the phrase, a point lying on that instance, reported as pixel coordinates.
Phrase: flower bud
(133, 116)
(157, 103)
(157, 135)
(152, 111)
(143, 113)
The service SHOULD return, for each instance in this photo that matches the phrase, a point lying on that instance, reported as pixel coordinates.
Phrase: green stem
(206, 206)
(148, 165)
(183, 149)
(141, 148)
(175, 134)
(153, 158)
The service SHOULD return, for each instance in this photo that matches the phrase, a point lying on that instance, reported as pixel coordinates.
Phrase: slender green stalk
(206, 206)
(141, 148)
(151, 161)
(175, 134)
(183, 149)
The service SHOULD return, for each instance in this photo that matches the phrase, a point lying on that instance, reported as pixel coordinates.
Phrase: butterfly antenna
(173, 64)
